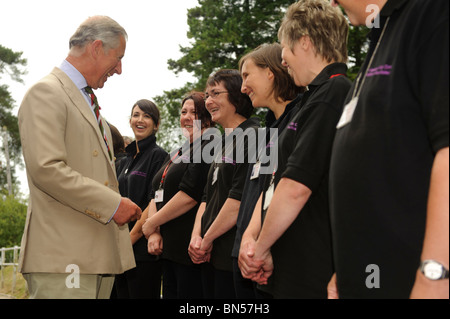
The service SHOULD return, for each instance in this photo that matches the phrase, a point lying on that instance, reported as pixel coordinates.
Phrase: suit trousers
(69, 286)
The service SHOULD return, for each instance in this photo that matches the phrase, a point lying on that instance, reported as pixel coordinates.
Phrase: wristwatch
(433, 270)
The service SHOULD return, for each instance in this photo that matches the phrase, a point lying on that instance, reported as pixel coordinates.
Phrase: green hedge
(13, 214)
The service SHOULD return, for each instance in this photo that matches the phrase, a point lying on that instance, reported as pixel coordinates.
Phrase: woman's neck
(232, 123)
(278, 108)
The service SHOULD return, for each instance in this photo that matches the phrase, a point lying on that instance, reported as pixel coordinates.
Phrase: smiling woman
(144, 119)
(135, 174)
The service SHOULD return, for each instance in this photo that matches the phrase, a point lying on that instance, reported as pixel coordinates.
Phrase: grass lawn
(20, 290)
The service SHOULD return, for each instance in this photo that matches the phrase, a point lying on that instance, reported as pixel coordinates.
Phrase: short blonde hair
(324, 24)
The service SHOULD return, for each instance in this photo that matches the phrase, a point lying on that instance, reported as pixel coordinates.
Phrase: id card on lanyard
(159, 194)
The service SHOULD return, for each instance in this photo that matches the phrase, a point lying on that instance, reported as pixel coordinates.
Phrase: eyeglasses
(214, 94)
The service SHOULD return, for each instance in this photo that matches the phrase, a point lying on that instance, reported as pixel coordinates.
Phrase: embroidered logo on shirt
(380, 70)
(142, 174)
(292, 126)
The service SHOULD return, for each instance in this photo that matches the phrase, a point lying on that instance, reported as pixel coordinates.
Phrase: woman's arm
(225, 220)
(436, 244)
(179, 205)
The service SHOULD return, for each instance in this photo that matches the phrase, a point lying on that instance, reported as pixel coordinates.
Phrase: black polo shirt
(230, 183)
(303, 255)
(382, 159)
(135, 175)
(186, 175)
(253, 187)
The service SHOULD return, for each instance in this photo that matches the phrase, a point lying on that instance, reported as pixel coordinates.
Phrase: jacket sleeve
(44, 118)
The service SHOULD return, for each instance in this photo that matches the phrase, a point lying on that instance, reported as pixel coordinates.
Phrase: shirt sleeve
(432, 74)
(309, 162)
(194, 180)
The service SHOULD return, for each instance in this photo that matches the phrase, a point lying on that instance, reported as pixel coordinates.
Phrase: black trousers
(142, 282)
(245, 288)
(181, 281)
(217, 284)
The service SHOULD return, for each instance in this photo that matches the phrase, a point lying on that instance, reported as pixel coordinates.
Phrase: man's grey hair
(98, 28)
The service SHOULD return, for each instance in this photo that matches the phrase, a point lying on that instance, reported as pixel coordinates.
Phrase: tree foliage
(11, 64)
(220, 33)
(13, 214)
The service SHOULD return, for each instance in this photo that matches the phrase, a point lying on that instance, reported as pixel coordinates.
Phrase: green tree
(13, 214)
(224, 30)
(221, 32)
(11, 64)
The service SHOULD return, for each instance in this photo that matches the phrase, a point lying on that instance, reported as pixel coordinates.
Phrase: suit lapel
(81, 104)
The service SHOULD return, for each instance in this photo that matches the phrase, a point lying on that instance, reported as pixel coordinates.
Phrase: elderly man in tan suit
(76, 238)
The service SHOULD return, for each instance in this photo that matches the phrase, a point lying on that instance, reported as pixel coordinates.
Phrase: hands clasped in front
(200, 250)
(255, 264)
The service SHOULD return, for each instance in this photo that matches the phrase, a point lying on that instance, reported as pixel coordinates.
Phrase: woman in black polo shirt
(293, 248)
(268, 84)
(215, 227)
(135, 173)
(178, 188)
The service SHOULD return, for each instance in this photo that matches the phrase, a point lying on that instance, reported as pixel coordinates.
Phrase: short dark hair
(200, 109)
(149, 108)
(232, 81)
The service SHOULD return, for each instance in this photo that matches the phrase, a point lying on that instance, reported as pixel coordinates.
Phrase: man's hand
(127, 212)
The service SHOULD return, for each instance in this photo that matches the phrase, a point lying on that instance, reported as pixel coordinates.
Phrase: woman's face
(257, 83)
(218, 104)
(187, 120)
(142, 124)
(294, 61)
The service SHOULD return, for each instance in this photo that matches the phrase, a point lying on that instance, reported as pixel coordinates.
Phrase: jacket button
(95, 153)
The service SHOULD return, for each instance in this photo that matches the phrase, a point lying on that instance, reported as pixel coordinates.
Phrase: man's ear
(96, 48)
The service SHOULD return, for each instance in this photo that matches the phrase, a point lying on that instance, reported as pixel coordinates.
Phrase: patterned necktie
(94, 103)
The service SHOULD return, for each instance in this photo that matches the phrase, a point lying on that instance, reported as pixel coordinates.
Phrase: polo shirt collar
(143, 144)
(329, 71)
(391, 6)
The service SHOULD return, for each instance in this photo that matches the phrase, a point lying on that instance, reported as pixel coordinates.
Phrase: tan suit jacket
(73, 185)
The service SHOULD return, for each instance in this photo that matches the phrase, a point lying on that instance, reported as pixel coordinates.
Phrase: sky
(156, 29)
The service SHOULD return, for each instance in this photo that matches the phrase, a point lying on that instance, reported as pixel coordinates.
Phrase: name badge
(256, 170)
(215, 175)
(269, 196)
(159, 196)
(347, 115)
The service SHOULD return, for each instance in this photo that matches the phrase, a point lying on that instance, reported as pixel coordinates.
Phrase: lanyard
(358, 86)
(167, 169)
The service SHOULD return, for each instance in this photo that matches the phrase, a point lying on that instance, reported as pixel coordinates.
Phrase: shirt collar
(75, 75)
(391, 6)
(328, 72)
(143, 144)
